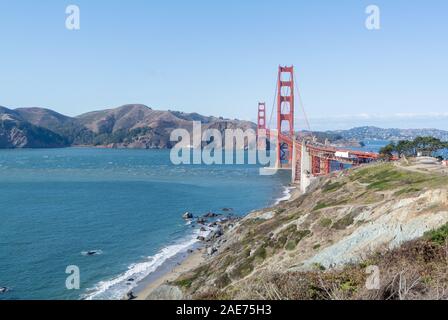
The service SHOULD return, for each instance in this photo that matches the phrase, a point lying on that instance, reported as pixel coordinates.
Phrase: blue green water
(127, 204)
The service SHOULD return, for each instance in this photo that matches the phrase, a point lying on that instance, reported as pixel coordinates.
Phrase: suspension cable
(273, 105)
(302, 105)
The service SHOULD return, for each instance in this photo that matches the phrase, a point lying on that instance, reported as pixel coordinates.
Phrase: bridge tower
(285, 116)
(261, 116)
(261, 125)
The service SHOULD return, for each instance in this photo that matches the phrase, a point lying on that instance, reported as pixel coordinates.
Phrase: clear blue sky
(221, 58)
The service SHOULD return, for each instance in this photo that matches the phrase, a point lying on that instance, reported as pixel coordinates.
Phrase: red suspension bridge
(304, 156)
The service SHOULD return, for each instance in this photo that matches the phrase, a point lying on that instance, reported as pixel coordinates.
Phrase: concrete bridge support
(306, 176)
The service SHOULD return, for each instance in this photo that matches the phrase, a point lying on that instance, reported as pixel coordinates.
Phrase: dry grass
(416, 270)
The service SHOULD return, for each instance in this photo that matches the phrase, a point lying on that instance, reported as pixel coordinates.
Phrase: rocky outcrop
(405, 220)
(187, 216)
(15, 132)
(166, 292)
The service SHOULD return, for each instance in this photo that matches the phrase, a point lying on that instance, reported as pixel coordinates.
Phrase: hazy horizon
(317, 124)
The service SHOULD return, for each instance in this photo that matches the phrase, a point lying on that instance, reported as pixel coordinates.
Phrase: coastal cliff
(321, 245)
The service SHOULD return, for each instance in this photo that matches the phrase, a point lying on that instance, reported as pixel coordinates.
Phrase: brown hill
(128, 126)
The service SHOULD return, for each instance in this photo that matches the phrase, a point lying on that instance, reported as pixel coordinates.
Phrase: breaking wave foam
(286, 195)
(116, 288)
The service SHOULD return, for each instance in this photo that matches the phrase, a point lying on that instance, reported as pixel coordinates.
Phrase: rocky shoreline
(219, 227)
(214, 226)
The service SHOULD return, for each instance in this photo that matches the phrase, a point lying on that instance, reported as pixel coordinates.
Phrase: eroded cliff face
(17, 134)
(349, 218)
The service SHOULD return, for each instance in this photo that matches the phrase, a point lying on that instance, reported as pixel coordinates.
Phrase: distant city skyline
(221, 57)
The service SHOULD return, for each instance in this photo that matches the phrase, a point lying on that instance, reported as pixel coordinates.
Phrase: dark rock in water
(187, 216)
(201, 238)
(131, 280)
(211, 215)
(201, 220)
(203, 229)
(4, 289)
(226, 209)
(190, 251)
(93, 252)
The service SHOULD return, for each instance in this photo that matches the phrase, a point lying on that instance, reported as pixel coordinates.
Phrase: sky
(220, 57)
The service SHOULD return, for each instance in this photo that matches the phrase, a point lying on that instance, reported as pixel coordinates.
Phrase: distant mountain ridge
(375, 133)
(138, 126)
(128, 126)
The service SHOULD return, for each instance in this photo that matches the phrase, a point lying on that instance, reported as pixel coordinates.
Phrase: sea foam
(286, 195)
(116, 288)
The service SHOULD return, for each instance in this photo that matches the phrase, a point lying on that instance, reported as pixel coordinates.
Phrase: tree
(387, 151)
(411, 148)
(428, 144)
(405, 148)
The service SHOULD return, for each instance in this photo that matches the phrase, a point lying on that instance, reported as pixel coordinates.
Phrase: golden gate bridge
(304, 156)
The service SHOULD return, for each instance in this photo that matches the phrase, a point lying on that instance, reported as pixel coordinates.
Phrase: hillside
(138, 126)
(16, 132)
(129, 126)
(318, 245)
(73, 131)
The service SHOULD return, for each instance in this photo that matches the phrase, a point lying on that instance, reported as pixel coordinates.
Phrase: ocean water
(57, 204)
(372, 145)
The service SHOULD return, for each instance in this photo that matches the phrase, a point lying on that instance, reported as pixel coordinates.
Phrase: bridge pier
(306, 176)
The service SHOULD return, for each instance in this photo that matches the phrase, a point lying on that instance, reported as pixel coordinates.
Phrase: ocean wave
(286, 195)
(116, 288)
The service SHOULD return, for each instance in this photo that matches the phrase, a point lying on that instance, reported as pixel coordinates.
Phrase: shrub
(325, 222)
(333, 186)
(344, 222)
(438, 236)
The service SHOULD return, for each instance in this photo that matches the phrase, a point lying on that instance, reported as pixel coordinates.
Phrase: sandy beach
(192, 261)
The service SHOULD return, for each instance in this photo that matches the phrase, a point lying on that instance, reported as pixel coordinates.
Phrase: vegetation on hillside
(262, 258)
(416, 270)
(426, 145)
(120, 136)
